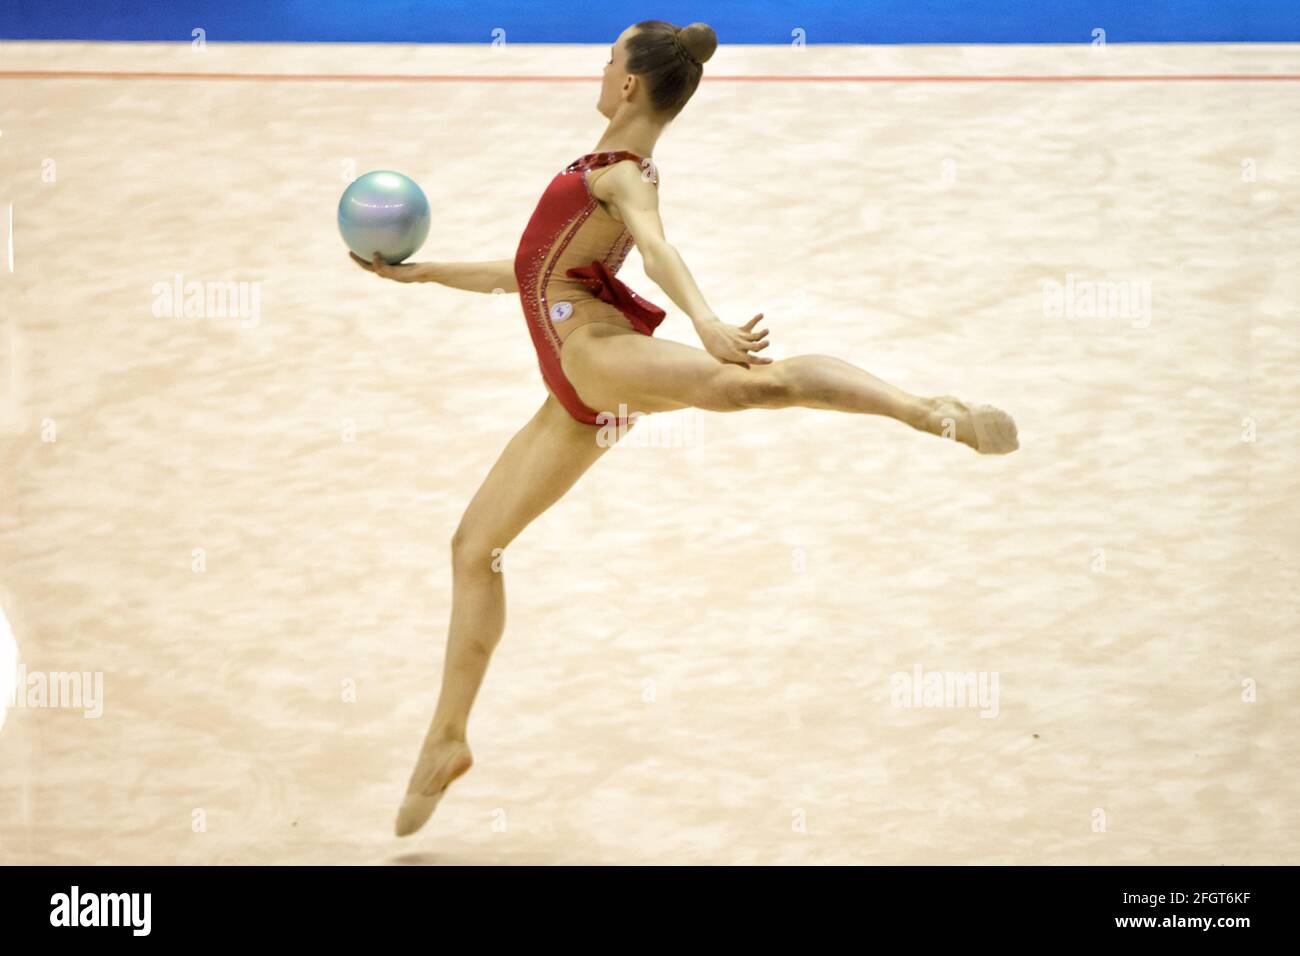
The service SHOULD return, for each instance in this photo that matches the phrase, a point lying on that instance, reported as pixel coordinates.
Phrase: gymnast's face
(618, 85)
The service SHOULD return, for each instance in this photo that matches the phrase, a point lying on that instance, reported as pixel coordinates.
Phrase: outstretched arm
(470, 276)
(637, 200)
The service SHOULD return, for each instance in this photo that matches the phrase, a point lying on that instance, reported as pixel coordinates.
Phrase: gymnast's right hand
(402, 272)
(734, 343)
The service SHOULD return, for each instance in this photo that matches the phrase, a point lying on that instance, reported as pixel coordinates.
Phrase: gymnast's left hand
(402, 272)
(734, 343)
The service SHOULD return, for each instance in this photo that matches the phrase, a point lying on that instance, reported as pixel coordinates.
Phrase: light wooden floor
(1128, 575)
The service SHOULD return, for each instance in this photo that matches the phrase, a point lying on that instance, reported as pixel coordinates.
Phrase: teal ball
(384, 212)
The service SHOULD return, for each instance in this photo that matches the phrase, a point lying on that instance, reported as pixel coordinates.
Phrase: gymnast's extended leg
(610, 366)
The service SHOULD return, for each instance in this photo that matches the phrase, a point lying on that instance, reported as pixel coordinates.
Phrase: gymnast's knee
(473, 554)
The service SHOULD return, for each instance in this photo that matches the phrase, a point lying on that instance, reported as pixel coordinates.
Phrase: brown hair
(671, 60)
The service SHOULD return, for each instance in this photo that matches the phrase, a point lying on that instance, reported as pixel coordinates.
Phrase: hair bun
(699, 41)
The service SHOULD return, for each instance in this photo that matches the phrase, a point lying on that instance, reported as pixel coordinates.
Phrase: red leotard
(566, 266)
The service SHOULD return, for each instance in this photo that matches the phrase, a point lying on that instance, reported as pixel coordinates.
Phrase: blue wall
(736, 21)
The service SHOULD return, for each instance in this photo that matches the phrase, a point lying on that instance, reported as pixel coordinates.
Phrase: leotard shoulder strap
(597, 160)
(591, 161)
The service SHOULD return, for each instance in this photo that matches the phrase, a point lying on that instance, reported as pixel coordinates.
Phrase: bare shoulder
(626, 180)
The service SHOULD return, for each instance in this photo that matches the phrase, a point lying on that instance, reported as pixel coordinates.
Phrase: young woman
(598, 356)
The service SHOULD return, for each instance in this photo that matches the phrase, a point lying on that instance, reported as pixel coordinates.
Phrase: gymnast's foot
(441, 761)
(989, 430)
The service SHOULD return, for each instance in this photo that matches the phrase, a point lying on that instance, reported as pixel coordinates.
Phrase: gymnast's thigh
(609, 366)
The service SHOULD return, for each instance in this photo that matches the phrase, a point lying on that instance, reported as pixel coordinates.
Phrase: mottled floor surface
(242, 526)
